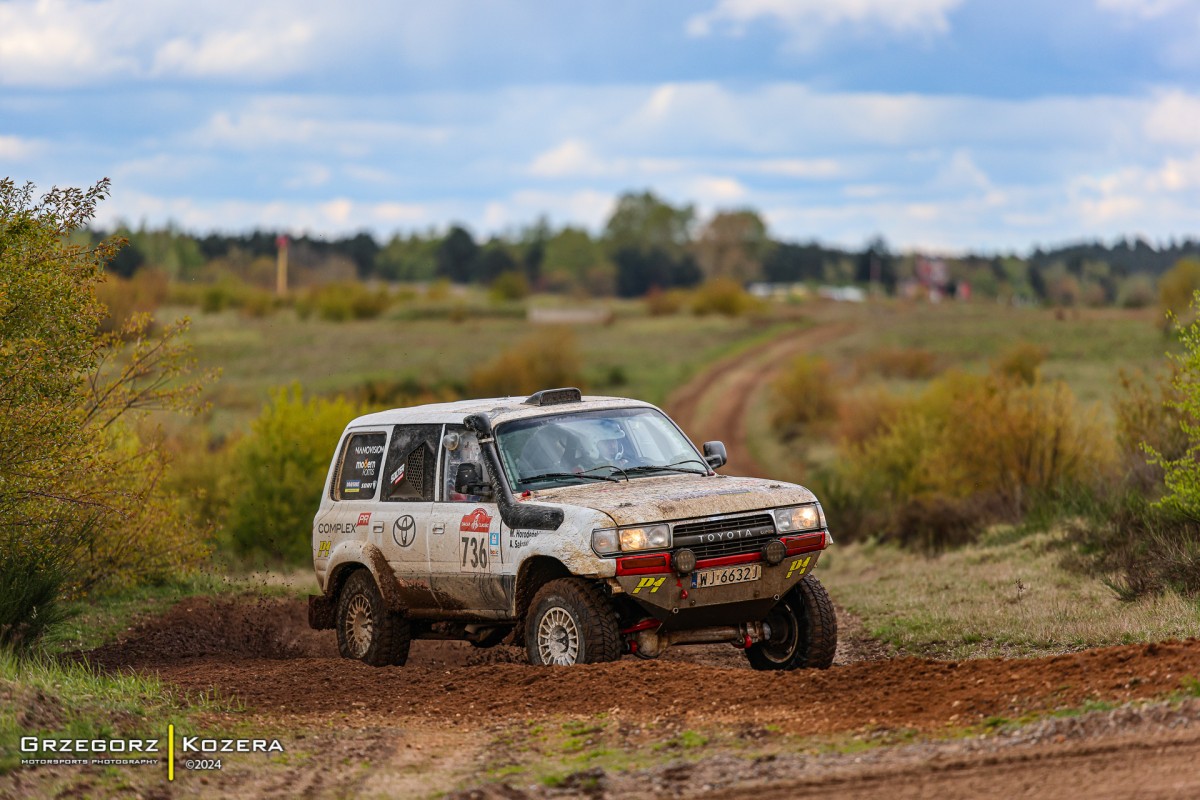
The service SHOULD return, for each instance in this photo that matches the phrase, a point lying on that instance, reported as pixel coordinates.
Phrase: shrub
(1182, 473)
(340, 302)
(547, 359)
(32, 578)
(279, 471)
(863, 414)
(662, 304)
(509, 286)
(122, 298)
(803, 394)
(722, 296)
(1137, 548)
(911, 363)
(1147, 418)
(971, 450)
(1022, 362)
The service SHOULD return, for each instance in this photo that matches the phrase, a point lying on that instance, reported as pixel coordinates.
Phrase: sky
(942, 125)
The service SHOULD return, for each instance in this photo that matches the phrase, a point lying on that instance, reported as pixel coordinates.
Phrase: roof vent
(554, 397)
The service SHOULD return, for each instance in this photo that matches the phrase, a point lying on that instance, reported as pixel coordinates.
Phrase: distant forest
(649, 244)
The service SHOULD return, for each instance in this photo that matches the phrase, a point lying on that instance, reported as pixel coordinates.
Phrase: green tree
(1182, 475)
(79, 498)
(732, 245)
(643, 222)
(1177, 287)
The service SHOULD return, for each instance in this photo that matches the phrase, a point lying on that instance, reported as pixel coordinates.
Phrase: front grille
(730, 536)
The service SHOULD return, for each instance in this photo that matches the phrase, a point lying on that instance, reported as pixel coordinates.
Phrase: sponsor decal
(335, 528)
(799, 566)
(478, 521)
(351, 487)
(494, 544)
(364, 518)
(397, 476)
(404, 531)
(323, 549)
(652, 584)
(368, 486)
(368, 450)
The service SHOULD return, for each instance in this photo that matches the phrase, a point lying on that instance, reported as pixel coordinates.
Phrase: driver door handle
(439, 528)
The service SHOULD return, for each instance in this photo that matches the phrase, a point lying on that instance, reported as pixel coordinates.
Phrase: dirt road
(452, 698)
(714, 404)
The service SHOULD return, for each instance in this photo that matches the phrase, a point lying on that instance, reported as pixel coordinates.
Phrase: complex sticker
(404, 531)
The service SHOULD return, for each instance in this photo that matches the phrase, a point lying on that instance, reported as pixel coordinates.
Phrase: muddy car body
(580, 527)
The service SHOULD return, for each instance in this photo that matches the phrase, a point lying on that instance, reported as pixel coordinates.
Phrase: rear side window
(358, 474)
(411, 463)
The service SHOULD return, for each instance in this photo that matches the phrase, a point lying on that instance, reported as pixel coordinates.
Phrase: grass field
(636, 355)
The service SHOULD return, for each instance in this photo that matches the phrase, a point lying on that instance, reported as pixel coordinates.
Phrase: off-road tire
(804, 631)
(596, 638)
(367, 630)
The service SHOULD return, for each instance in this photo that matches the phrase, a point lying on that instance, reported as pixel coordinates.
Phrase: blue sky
(940, 124)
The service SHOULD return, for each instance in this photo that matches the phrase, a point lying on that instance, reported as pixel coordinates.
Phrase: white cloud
(571, 158)
(807, 20)
(266, 48)
(1146, 9)
(16, 148)
(1174, 118)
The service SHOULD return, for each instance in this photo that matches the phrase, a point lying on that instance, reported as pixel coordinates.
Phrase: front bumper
(671, 599)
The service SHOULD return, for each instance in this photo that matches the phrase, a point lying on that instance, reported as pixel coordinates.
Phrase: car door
(353, 491)
(400, 523)
(468, 568)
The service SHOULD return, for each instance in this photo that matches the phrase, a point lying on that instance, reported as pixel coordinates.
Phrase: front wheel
(367, 630)
(803, 631)
(571, 622)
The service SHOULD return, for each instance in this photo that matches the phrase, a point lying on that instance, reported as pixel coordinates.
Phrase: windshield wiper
(524, 479)
(671, 467)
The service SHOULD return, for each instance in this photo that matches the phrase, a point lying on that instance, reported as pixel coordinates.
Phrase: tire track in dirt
(204, 644)
(715, 404)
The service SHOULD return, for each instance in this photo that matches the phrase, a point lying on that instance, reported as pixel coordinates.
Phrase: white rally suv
(583, 528)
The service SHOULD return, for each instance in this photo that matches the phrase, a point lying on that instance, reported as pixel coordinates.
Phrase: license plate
(726, 576)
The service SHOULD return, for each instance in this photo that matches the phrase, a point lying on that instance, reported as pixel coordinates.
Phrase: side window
(358, 474)
(467, 449)
(411, 463)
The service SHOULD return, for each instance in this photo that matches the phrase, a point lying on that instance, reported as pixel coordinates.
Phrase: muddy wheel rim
(558, 638)
(785, 634)
(360, 625)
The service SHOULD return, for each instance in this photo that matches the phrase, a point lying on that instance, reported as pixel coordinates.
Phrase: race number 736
(474, 552)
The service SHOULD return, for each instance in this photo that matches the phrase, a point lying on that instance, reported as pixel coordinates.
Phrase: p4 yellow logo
(323, 549)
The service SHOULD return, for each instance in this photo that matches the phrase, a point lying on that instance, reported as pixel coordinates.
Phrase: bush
(1022, 362)
(1148, 420)
(864, 414)
(123, 298)
(670, 302)
(911, 363)
(32, 578)
(279, 472)
(509, 286)
(722, 296)
(1137, 548)
(547, 359)
(803, 394)
(968, 451)
(340, 302)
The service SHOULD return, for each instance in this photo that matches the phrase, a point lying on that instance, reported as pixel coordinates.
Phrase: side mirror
(468, 479)
(714, 454)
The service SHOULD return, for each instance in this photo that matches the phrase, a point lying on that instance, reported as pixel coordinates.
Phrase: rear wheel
(803, 631)
(366, 629)
(571, 622)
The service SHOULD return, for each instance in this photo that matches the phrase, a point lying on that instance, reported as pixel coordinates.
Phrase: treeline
(648, 244)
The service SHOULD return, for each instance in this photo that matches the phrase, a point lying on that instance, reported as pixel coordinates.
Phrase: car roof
(498, 409)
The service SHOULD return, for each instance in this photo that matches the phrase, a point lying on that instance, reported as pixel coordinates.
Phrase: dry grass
(1005, 597)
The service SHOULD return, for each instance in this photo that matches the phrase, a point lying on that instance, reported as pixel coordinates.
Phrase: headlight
(647, 537)
(799, 518)
(605, 542)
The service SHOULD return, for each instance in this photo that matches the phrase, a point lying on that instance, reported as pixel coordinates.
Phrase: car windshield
(592, 447)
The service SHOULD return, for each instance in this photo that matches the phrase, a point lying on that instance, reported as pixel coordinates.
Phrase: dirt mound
(239, 627)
